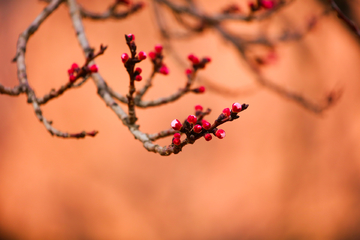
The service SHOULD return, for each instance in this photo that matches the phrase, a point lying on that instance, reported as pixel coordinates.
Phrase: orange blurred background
(282, 172)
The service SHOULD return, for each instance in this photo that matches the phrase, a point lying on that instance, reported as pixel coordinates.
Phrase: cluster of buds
(130, 61)
(156, 57)
(262, 4)
(137, 73)
(75, 72)
(197, 63)
(195, 126)
(125, 58)
(176, 139)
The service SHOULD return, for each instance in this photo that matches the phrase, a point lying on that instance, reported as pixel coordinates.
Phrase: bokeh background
(282, 172)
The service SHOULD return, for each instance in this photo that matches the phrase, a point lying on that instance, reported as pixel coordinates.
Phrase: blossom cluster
(195, 126)
(157, 57)
(75, 72)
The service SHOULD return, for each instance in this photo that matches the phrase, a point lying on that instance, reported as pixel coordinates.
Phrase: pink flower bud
(131, 37)
(201, 89)
(176, 124)
(205, 124)
(93, 68)
(139, 70)
(164, 70)
(207, 59)
(158, 48)
(176, 141)
(177, 135)
(197, 128)
(72, 78)
(192, 119)
(142, 55)
(267, 4)
(198, 108)
(220, 133)
(208, 137)
(226, 112)
(195, 60)
(236, 107)
(74, 66)
(191, 57)
(188, 71)
(124, 57)
(138, 78)
(152, 55)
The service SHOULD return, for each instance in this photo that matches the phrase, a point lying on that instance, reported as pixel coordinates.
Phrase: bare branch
(111, 12)
(15, 91)
(345, 19)
(22, 75)
(242, 44)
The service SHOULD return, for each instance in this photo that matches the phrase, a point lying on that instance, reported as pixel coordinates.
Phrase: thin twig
(15, 91)
(241, 45)
(111, 13)
(343, 17)
(22, 74)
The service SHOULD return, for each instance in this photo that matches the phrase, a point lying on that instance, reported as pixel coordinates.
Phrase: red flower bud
(139, 70)
(220, 133)
(267, 4)
(201, 89)
(177, 135)
(74, 66)
(131, 37)
(226, 112)
(152, 55)
(142, 55)
(191, 57)
(198, 108)
(188, 71)
(138, 78)
(176, 124)
(176, 141)
(158, 48)
(205, 124)
(208, 137)
(236, 107)
(195, 60)
(164, 70)
(192, 119)
(197, 128)
(207, 59)
(124, 57)
(72, 78)
(93, 68)
(70, 71)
